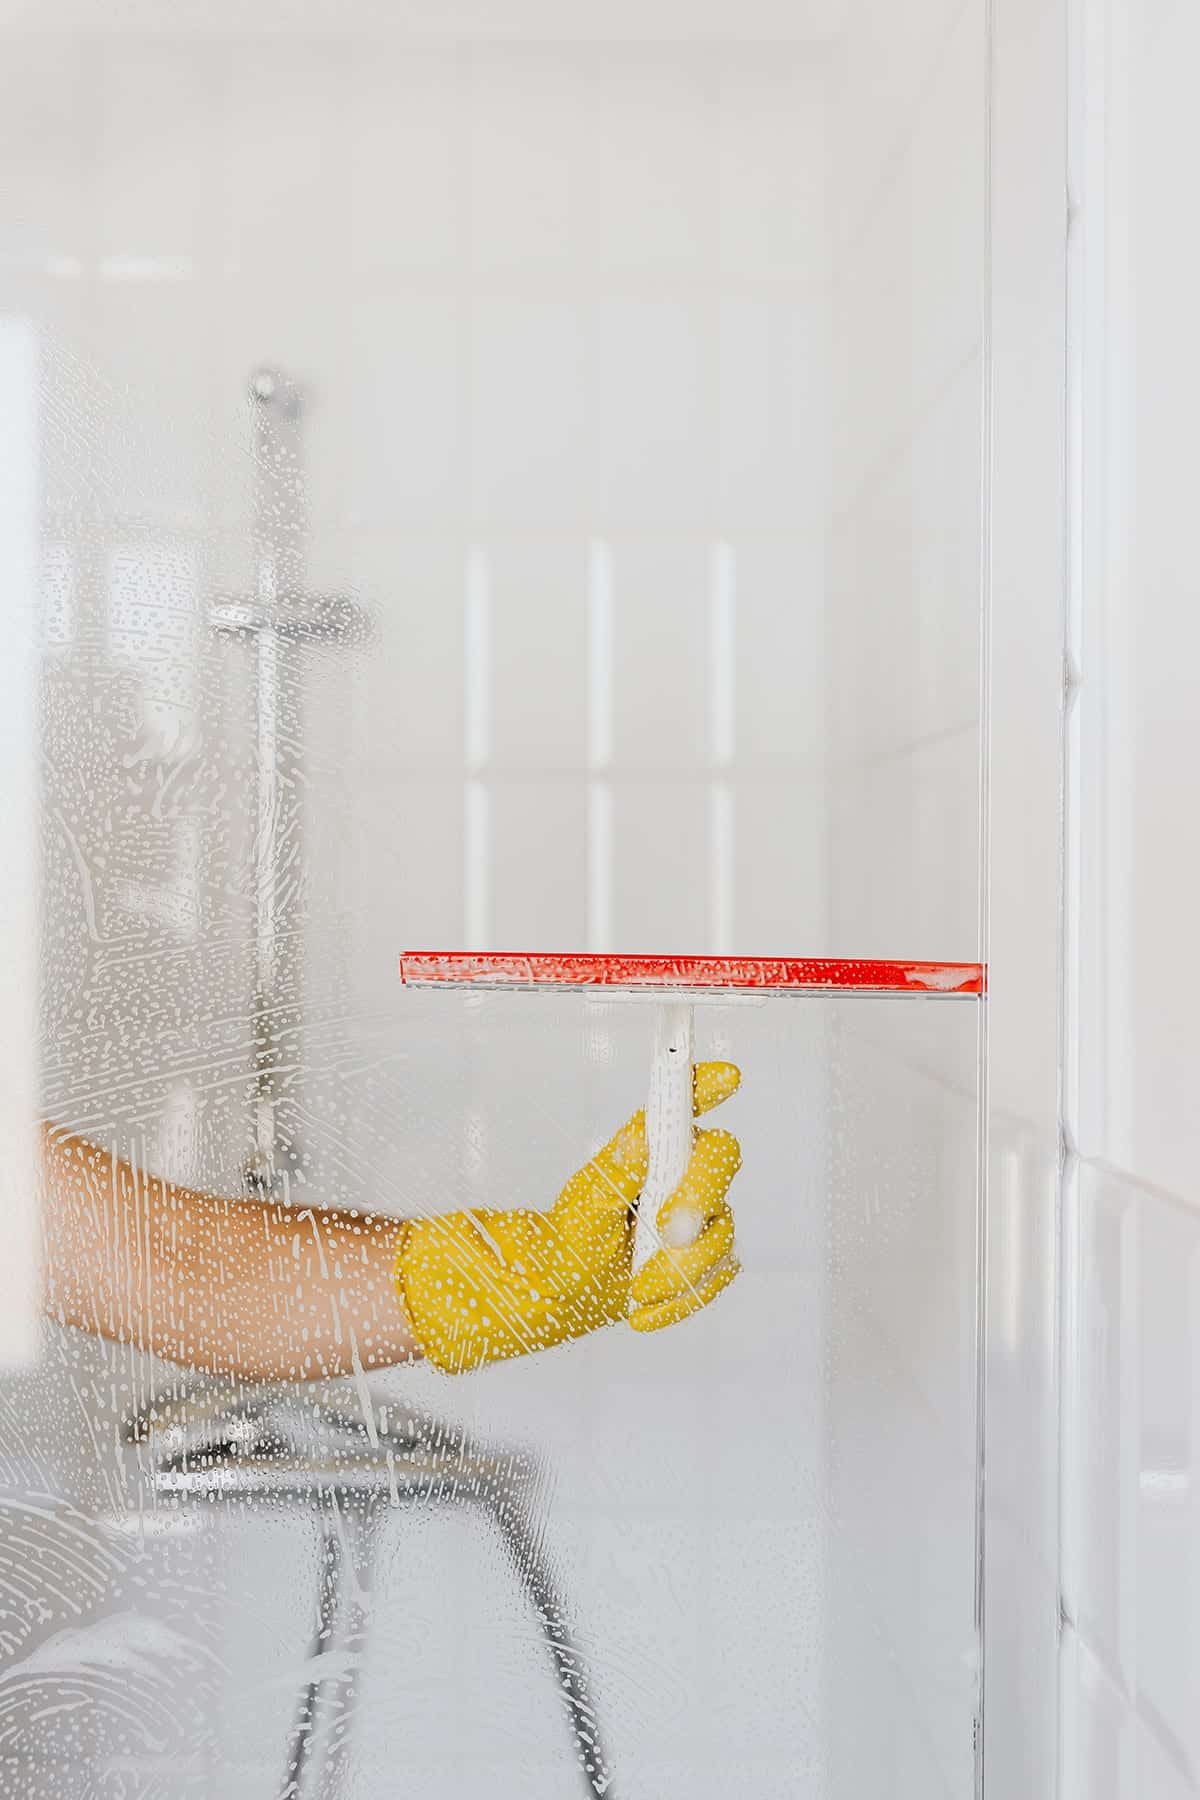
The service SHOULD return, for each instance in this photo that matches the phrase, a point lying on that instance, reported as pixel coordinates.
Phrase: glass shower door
(467, 508)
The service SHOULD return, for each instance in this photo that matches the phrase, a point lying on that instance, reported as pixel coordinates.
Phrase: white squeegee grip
(668, 1123)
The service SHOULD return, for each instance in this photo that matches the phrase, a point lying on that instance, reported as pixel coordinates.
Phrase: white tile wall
(1139, 632)
(1130, 1579)
(1133, 1344)
(1168, 1514)
(1098, 1744)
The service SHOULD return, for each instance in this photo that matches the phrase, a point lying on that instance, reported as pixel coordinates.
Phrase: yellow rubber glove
(483, 1285)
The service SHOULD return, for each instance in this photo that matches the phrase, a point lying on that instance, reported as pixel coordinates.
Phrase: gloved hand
(483, 1285)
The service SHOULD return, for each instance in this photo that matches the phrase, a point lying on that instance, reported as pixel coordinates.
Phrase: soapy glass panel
(549, 424)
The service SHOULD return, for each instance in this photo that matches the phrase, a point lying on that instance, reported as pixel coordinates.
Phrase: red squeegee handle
(506, 968)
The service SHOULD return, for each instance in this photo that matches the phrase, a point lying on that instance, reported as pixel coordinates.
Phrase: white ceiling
(481, 21)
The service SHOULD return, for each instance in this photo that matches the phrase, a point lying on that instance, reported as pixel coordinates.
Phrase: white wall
(1131, 1640)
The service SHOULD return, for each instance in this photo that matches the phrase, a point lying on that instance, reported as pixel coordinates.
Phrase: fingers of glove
(613, 1179)
(670, 1272)
(680, 1306)
(713, 1082)
(700, 1196)
(611, 1182)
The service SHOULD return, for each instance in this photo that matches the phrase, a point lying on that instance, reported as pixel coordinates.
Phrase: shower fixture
(278, 618)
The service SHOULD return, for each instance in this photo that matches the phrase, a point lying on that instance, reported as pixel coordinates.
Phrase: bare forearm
(245, 1287)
